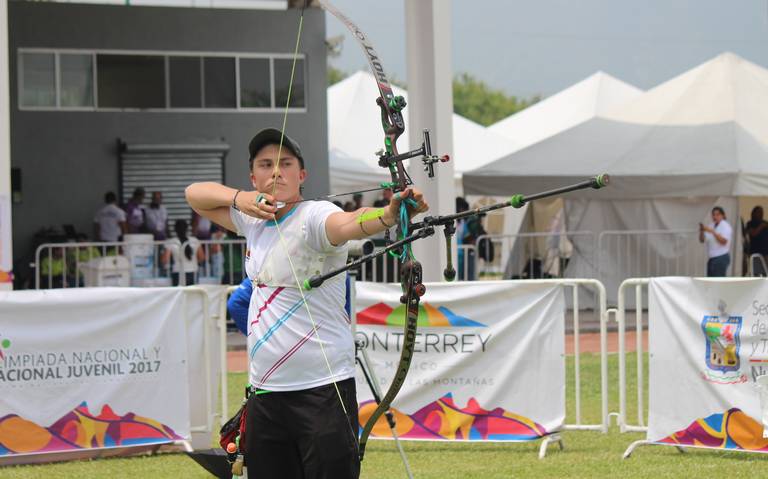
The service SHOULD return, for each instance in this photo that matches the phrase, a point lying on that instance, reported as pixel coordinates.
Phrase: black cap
(272, 136)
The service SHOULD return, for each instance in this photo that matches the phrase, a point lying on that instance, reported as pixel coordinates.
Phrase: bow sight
(425, 152)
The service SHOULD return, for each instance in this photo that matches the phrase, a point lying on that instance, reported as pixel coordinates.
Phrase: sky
(539, 47)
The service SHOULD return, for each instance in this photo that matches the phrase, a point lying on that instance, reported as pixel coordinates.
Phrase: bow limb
(393, 125)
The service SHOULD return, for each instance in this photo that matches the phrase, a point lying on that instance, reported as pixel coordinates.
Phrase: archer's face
(285, 178)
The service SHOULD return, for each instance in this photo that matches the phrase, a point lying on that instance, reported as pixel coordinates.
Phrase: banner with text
(488, 363)
(708, 343)
(80, 370)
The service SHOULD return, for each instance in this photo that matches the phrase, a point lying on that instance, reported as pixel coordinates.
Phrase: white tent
(354, 135)
(591, 97)
(673, 152)
(582, 101)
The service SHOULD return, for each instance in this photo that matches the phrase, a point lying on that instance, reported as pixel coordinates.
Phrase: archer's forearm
(208, 196)
(345, 226)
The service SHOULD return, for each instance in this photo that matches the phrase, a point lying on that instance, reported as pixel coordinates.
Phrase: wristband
(234, 200)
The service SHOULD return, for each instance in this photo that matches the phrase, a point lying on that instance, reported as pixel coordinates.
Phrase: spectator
(717, 236)
(233, 260)
(77, 258)
(467, 232)
(52, 268)
(110, 221)
(386, 196)
(201, 226)
(156, 216)
(185, 261)
(757, 229)
(357, 199)
(134, 213)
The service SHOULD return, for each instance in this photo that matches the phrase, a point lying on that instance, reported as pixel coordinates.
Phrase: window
(131, 81)
(219, 80)
(114, 80)
(38, 80)
(76, 80)
(185, 82)
(283, 68)
(255, 83)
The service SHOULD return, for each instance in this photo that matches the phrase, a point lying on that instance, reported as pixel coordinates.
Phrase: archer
(300, 345)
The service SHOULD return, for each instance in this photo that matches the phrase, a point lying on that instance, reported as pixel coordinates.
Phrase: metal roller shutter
(169, 169)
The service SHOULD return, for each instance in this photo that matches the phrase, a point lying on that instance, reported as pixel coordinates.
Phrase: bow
(392, 122)
(393, 125)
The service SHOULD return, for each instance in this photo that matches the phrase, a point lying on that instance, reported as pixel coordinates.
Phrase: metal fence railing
(533, 255)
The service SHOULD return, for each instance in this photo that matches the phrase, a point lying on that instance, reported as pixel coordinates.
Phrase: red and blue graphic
(445, 420)
(383, 315)
(80, 429)
(730, 430)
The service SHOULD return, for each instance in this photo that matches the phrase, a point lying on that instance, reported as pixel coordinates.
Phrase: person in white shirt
(157, 217)
(109, 221)
(184, 261)
(717, 235)
(300, 344)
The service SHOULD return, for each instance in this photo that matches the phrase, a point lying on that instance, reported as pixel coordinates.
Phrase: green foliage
(335, 75)
(475, 100)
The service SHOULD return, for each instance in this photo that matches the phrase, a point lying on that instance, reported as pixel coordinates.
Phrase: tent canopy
(703, 133)
(354, 135)
(578, 103)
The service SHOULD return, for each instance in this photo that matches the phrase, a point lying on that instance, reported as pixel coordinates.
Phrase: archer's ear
(302, 175)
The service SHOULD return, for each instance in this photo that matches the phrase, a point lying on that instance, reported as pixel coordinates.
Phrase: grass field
(586, 454)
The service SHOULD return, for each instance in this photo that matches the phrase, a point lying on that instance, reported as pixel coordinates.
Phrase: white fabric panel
(707, 346)
(495, 345)
(115, 351)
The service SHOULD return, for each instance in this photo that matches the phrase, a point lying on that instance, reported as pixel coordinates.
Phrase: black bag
(485, 246)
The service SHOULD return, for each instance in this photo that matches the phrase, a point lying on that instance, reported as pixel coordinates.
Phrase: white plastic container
(141, 253)
(107, 271)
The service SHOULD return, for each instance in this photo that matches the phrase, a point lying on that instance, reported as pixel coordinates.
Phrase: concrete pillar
(430, 93)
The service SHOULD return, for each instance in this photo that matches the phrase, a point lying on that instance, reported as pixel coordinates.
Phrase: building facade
(108, 98)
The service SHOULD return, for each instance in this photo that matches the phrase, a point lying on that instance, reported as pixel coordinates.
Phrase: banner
(708, 342)
(488, 363)
(85, 369)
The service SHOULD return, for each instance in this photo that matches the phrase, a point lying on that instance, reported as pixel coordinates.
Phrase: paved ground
(588, 343)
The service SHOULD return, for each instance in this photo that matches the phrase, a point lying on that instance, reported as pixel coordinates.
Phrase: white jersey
(714, 248)
(283, 347)
(109, 218)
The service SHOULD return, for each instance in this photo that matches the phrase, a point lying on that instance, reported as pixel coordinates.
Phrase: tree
(480, 103)
(335, 75)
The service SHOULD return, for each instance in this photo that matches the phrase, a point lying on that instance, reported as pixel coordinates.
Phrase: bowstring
(282, 238)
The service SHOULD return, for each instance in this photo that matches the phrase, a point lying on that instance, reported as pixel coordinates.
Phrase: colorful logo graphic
(723, 342)
(80, 429)
(731, 430)
(5, 343)
(383, 315)
(443, 419)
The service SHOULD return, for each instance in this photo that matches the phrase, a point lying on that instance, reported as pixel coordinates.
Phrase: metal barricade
(223, 261)
(72, 265)
(757, 266)
(621, 317)
(534, 255)
(601, 308)
(647, 253)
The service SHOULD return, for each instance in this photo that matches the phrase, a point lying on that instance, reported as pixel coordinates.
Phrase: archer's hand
(393, 210)
(258, 205)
